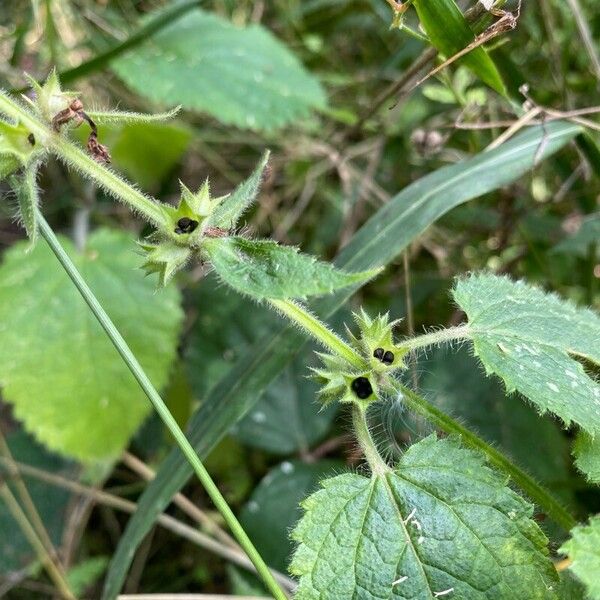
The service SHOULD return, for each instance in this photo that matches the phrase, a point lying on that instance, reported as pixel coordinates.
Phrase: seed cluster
(186, 225)
(385, 356)
(361, 386)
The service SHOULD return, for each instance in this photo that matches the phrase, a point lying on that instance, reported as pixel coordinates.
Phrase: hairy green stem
(149, 208)
(535, 491)
(363, 435)
(318, 330)
(136, 369)
(441, 336)
(322, 334)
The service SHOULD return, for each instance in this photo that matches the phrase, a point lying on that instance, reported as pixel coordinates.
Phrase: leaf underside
(529, 338)
(57, 367)
(441, 524)
(242, 76)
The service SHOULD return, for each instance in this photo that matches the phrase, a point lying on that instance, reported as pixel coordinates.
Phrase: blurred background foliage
(311, 80)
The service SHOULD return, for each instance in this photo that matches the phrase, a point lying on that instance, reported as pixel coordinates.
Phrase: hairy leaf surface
(57, 367)
(457, 385)
(587, 456)
(242, 76)
(584, 551)
(529, 338)
(441, 524)
(227, 213)
(264, 269)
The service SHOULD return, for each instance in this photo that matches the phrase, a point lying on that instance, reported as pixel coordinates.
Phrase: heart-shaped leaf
(442, 524)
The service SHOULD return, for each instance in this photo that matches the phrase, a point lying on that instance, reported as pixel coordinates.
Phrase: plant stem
(318, 330)
(76, 158)
(160, 407)
(363, 436)
(449, 334)
(28, 531)
(535, 491)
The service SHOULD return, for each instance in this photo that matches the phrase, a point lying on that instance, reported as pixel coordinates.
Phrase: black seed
(378, 354)
(186, 225)
(361, 386)
(31, 139)
(388, 358)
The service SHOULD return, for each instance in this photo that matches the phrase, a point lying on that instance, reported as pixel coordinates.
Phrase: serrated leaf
(378, 242)
(450, 33)
(264, 269)
(441, 524)
(455, 383)
(51, 502)
(529, 338)
(228, 212)
(58, 369)
(584, 551)
(241, 76)
(274, 506)
(587, 456)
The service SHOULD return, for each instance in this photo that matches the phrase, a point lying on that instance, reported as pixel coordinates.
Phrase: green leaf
(454, 382)
(584, 551)
(51, 502)
(274, 507)
(449, 32)
(379, 241)
(529, 339)
(62, 375)
(441, 524)
(587, 456)
(241, 76)
(288, 417)
(228, 212)
(264, 269)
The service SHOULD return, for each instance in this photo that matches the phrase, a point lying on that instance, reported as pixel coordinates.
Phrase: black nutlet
(361, 386)
(186, 225)
(388, 358)
(385, 356)
(31, 139)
